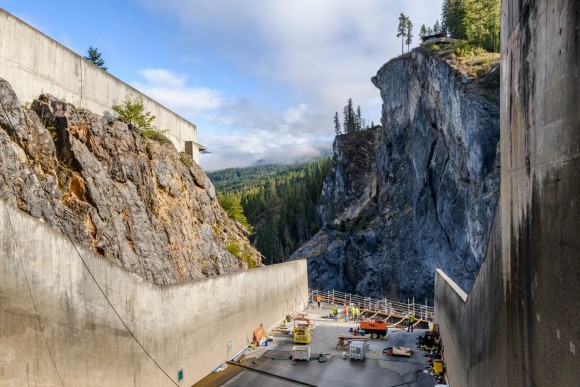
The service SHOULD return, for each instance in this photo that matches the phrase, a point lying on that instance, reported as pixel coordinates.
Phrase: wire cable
(118, 315)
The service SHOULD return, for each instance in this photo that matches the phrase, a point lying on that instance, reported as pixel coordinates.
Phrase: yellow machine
(302, 331)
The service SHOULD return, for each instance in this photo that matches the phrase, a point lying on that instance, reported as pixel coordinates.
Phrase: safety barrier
(385, 306)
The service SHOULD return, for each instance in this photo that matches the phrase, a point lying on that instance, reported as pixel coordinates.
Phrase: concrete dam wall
(519, 324)
(35, 64)
(70, 318)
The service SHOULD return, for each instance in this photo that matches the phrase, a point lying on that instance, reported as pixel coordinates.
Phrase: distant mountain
(295, 161)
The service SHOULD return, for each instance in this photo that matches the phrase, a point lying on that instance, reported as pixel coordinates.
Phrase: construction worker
(411, 321)
(356, 314)
(319, 300)
(345, 311)
(335, 312)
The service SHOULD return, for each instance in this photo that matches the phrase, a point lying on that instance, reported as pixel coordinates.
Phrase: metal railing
(370, 305)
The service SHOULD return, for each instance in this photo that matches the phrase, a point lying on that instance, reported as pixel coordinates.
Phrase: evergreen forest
(276, 203)
(476, 21)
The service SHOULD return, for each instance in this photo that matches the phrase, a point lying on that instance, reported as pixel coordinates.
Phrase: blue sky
(260, 78)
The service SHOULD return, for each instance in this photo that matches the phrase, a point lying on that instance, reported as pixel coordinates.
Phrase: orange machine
(376, 328)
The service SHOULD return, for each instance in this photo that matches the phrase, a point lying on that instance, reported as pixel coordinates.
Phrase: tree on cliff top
(409, 37)
(336, 124)
(94, 56)
(402, 30)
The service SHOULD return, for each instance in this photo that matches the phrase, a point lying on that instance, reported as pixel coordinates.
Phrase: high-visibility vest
(411, 318)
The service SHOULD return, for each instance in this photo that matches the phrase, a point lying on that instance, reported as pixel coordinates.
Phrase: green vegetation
(404, 30)
(232, 205)
(94, 56)
(185, 160)
(53, 133)
(423, 31)
(353, 121)
(471, 60)
(278, 201)
(234, 248)
(242, 253)
(475, 21)
(133, 113)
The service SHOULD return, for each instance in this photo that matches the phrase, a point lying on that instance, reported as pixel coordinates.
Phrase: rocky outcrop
(419, 194)
(136, 201)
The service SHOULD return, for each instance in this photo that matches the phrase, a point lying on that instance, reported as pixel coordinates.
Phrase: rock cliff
(136, 201)
(416, 195)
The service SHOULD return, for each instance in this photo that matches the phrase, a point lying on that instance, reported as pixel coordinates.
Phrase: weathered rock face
(418, 195)
(136, 201)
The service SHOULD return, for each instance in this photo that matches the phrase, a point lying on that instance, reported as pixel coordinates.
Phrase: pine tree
(232, 205)
(478, 21)
(336, 124)
(409, 33)
(454, 13)
(402, 30)
(359, 119)
(94, 56)
(423, 31)
(346, 119)
(437, 27)
(349, 124)
(429, 31)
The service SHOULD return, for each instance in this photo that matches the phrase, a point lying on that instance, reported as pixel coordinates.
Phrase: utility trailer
(377, 328)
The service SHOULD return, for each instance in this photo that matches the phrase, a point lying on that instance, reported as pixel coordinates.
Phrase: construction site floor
(272, 365)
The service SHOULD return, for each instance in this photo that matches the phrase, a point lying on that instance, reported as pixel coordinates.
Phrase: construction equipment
(301, 330)
(358, 350)
(398, 351)
(377, 328)
(345, 340)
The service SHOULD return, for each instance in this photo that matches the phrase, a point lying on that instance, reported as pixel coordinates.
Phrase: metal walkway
(396, 313)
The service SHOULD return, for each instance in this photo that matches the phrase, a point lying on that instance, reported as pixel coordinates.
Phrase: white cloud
(245, 133)
(163, 78)
(320, 52)
(171, 90)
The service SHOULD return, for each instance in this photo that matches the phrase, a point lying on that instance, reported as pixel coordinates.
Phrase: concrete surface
(268, 365)
(34, 64)
(62, 318)
(519, 324)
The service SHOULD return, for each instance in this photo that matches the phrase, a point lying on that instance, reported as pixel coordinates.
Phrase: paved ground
(272, 366)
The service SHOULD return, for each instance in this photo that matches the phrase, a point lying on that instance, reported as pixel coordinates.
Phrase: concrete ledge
(472, 326)
(69, 318)
(451, 283)
(34, 64)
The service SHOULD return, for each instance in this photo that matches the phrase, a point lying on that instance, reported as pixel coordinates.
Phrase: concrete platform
(272, 365)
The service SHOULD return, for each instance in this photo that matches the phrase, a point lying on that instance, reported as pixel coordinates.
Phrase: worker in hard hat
(334, 312)
(411, 321)
(319, 300)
